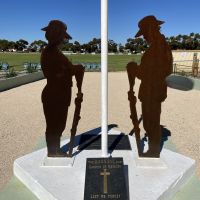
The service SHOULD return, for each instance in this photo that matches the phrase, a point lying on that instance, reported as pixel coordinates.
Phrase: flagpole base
(108, 155)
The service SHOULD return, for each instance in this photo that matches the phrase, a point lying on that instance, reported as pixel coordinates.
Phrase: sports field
(115, 62)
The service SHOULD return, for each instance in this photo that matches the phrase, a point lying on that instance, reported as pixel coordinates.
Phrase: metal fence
(186, 68)
(7, 71)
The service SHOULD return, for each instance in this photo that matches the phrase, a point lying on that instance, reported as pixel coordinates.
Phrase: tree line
(21, 45)
(132, 45)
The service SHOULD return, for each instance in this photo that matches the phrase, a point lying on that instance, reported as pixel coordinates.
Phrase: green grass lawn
(115, 62)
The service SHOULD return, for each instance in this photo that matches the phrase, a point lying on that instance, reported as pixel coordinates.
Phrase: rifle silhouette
(132, 69)
(78, 100)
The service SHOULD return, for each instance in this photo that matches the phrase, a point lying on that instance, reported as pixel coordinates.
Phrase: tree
(21, 44)
(4, 45)
(67, 46)
(92, 46)
(95, 45)
(121, 48)
(136, 45)
(11, 45)
(76, 47)
(112, 46)
(86, 48)
(37, 45)
(192, 34)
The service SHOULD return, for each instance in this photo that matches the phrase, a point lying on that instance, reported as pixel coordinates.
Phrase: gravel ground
(22, 122)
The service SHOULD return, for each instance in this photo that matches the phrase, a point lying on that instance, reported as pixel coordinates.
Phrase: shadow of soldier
(165, 134)
(95, 133)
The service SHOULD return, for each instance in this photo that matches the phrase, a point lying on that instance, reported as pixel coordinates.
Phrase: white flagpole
(104, 78)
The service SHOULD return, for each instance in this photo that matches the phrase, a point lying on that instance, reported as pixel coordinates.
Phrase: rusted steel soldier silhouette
(56, 95)
(156, 65)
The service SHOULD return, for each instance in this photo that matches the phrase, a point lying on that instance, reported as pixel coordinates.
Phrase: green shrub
(31, 69)
(11, 73)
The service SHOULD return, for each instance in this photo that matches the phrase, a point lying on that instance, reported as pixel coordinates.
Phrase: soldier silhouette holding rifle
(56, 96)
(156, 65)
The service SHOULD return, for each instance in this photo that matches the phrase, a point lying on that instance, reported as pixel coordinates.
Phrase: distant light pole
(104, 78)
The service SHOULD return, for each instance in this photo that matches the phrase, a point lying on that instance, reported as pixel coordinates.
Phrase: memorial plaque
(115, 142)
(105, 179)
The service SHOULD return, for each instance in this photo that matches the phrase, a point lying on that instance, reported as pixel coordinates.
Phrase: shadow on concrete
(180, 82)
(94, 132)
(139, 121)
(127, 180)
(165, 134)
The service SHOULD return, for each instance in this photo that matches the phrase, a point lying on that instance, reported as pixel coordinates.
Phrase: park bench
(31, 66)
(90, 66)
(4, 66)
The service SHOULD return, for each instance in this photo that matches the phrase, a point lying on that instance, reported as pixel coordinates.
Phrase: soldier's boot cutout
(53, 148)
(153, 151)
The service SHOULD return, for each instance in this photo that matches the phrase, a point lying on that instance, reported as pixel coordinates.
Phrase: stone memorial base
(146, 179)
(153, 163)
(57, 162)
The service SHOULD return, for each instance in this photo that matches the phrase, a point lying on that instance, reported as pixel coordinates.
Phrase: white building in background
(68, 52)
(25, 50)
(12, 50)
(126, 51)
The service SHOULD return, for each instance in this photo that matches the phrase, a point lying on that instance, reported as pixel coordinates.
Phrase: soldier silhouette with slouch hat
(56, 95)
(156, 65)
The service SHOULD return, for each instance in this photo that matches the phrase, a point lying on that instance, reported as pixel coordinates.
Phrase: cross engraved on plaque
(105, 180)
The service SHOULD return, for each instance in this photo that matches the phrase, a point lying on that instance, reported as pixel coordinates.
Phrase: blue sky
(23, 18)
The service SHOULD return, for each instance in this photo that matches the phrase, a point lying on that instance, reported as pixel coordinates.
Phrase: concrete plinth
(144, 181)
(57, 162)
(151, 163)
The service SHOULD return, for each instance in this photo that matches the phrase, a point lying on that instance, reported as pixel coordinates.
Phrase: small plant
(31, 69)
(11, 73)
